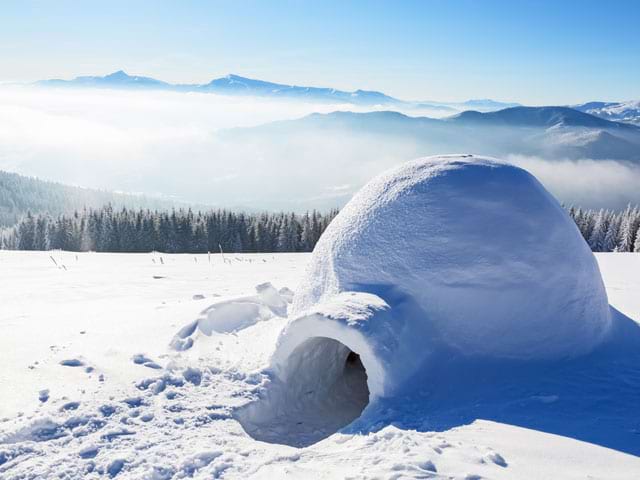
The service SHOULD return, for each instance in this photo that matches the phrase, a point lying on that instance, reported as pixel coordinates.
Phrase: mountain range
(237, 85)
(547, 132)
(627, 112)
(319, 160)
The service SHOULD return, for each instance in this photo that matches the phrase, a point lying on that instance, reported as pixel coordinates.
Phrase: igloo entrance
(322, 388)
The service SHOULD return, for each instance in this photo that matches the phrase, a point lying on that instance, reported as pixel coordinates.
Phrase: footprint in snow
(110, 436)
(159, 384)
(141, 359)
(115, 467)
(193, 375)
(72, 362)
(147, 417)
(134, 402)
(428, 465)
(70, 406)
(198, 461)
(89, 452)
(107, 410)
(497, 459)
(43, 395)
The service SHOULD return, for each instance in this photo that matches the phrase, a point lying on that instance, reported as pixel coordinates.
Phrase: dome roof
(483, 257)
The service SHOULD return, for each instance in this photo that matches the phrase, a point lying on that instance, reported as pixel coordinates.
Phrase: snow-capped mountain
(560, 131)
(119, 79)
(235, 84)
(486, 104)
(238, 85)
(538, 117)
(231, 85)
(628, 112)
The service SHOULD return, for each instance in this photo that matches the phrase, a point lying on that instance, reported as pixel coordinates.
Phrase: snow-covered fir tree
(106, 230)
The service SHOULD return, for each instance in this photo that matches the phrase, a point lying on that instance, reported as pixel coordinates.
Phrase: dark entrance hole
(322, 388)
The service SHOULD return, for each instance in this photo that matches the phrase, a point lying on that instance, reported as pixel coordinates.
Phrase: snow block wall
(460, 253)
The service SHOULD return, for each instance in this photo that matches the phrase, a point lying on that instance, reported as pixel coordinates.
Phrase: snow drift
(458, 254)
(233, 315)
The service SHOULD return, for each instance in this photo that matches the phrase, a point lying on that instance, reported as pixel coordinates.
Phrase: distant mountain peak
(118, 74)
(118, 79)
(487, 103)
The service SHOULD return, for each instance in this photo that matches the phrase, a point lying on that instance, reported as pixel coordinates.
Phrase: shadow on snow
(594, 398)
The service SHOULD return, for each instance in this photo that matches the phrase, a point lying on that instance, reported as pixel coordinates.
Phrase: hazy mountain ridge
(237, 85)
(540, 117)
(548, 132)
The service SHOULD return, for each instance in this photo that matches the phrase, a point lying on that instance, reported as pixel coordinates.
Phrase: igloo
(459, 254)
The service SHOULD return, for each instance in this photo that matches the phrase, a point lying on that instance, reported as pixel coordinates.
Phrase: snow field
(110, 313)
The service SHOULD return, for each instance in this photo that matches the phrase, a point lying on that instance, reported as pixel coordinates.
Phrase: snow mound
(233, 315)
(460, 256)
(487, 260)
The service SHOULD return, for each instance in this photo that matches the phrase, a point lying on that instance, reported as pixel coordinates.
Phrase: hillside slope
(20, 194)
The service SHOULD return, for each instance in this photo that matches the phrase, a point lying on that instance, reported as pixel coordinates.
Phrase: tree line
(185, 231)
(609, 231)
(176, 231)
(20, 194)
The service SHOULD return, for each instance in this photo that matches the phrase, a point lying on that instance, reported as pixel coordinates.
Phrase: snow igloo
(459, 254)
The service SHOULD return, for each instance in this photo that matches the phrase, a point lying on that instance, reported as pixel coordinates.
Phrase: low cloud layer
(126, 140)
(588, 183)
(177, 145)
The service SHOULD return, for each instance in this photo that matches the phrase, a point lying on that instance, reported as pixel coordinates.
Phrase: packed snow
(470, 253)
(235, 314)
(450, 291)
(81, 394)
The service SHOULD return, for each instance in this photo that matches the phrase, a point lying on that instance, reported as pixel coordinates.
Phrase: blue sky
(536, 52)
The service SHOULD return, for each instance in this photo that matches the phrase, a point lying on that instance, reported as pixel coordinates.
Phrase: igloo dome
(463, 254)
(492, 261)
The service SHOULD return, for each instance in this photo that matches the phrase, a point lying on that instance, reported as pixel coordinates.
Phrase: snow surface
(115, 415)
(235, 314)
(488, 263)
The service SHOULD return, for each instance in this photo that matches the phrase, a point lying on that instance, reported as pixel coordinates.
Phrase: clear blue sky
(537, 52)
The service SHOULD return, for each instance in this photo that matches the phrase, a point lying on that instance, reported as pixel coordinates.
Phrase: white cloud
(168, 143)
(587, 183)
(129, 140)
